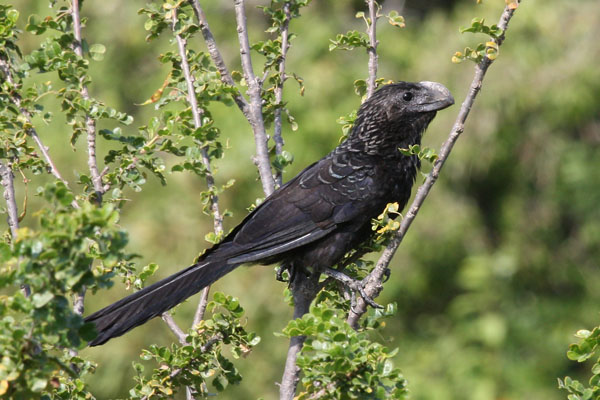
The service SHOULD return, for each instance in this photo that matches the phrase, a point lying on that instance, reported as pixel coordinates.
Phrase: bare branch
(216, 56)
(279, 88)
(90, 127)
(201, 309)
(373, 282)
(256, 119)
(210, 182)
(372, 49)
(9, 195)
(168, 318)
(90, 123)
(7, 180)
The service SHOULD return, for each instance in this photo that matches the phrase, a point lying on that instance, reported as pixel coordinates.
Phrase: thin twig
(277, 138)
(90, 123)
(254, 90)
(372, 49)
(217, 58)
(210, 182)
(373, 281)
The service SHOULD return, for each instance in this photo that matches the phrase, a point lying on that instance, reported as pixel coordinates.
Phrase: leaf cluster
(201, 359)
(338, 362)
(488, 49)
(54, 264)
(588, 347)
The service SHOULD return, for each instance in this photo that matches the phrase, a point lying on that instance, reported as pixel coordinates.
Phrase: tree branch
(168, 318)
(372, 49)
(7, 180)
(279, 88)
(304, 289)
(373, 281)
(90, 123)
(254, 93)
(210, 182)
(9, 195)
(217, 58)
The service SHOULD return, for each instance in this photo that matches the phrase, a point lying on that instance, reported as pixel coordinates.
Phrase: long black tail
(139, 307)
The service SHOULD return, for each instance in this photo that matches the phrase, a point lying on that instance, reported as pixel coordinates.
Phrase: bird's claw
(280, 271)
(352, 284)
(386, 275)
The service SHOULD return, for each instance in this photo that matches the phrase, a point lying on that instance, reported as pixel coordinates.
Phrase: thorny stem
(279, 88)
(254, 93)
(373, 281)
(372, 49)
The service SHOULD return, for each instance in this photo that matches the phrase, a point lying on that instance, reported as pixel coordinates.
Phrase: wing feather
(309, 207)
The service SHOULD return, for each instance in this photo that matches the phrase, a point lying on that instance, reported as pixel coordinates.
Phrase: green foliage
(588, 347)
(274, 54)
(488, 49)
(54, 264)
(200, 360)
(349, 41)
(338, 362)
(424, 153)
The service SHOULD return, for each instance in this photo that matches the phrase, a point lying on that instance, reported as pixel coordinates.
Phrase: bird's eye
(407, 96)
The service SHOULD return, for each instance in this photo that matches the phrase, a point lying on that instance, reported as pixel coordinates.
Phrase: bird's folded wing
(306, 209)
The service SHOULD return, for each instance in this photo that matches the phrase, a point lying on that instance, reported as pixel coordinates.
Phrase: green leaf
(41, 299)
(38, 384)
(97, 51)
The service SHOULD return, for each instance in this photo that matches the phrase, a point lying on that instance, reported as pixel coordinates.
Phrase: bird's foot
(292, 271)
(352, 284)
(282, 270)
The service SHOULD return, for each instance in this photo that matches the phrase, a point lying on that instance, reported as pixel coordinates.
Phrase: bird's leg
(353, 284)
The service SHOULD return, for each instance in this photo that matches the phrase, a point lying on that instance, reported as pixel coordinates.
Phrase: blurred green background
(501, 266)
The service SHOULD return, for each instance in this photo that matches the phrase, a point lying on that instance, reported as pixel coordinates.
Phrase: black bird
(315, 218)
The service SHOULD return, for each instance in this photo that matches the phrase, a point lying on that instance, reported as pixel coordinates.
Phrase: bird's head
(403, 100)
(396, 115)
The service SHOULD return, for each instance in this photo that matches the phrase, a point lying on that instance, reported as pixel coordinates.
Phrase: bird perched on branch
(315, 218)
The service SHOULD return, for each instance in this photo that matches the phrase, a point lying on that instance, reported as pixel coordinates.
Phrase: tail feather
(139, 307)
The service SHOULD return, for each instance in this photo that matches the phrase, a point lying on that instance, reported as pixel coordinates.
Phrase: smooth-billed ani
(315, 218)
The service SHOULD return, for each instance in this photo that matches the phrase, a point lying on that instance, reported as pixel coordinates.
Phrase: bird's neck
(385, 139)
